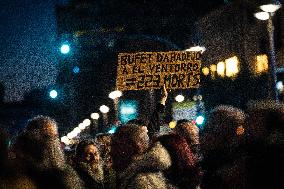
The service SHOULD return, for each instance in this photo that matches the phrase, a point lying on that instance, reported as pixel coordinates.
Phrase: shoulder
(158, 156)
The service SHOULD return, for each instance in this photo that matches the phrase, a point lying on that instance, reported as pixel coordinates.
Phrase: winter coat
(265, 165)
(224, 170)
(17, 182)
(43, 164)
(146, 173)
(91, 181)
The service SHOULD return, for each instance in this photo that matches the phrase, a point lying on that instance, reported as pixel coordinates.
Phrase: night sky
(28, 46)
(28, 50)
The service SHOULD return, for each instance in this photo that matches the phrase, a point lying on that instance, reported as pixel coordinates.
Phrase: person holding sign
(153, 124)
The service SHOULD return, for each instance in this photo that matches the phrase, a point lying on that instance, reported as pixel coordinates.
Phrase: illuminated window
(213, 68)
(221, 69)
(232, 66)
(172, 124)
(261, 65)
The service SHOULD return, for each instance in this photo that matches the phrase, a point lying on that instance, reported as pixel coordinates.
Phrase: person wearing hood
(10, 176)
(184, 171)
(137, 165)
(265, 124)
(221, 139)
(38, 151)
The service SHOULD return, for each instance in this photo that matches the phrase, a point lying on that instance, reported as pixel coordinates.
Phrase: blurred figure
(223, 162)
(39, 153)
(265, 125)
(104, 141)
(136, 166)
(10, 176)
(190, 132)
(88, 165)
(154, 122)
(184, 171)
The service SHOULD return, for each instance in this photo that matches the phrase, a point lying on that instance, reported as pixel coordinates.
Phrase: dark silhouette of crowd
(235, 149)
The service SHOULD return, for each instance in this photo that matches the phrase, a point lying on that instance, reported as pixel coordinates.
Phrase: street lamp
(95, 116)
(95, 119)
(65, 49)
(269, 10)
(114, 95)
(53, 93)
(196, 48)
(104, 109)
(179, 98)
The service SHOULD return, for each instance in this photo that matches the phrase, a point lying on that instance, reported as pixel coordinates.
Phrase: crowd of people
(236, 149)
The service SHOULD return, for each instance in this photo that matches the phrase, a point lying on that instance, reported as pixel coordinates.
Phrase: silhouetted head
(128, 142)
(223, 128)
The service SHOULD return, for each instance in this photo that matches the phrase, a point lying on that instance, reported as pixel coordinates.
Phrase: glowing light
(172, 124)
(221, 69)
(65, 49)
(270, 7)
(87, 122)
(77, 130)
(262, 15)
(128, 110)
(200, 120)
(82, 126)
(95, 115)
(112, 130)
(64, 139)
(104, 109)
(232, 66)
(76, 69)
(261, 65)
(205, 71)
(53, 93)
(179, 98)
(279, 86)
(196, 48)
(115, 94)
(72, 135)
(240, 130)
(213, 68)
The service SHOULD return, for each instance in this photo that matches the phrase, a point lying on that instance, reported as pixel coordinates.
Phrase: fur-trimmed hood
(146, 171)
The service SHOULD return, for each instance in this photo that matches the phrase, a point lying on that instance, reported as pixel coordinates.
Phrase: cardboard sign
(151, 70)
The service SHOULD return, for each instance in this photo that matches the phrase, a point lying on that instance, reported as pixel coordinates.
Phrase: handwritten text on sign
(151, 70)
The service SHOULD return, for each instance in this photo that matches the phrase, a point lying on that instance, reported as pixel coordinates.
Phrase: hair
(80, 148)
(225, 119)
(221, 129)
(124, 146)
(184, 163)
(104, 142)
(102, 136)
(39, 124)
(139, 122)
(181, 130)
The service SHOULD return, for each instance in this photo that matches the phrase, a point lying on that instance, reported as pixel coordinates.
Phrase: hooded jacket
(146, 172)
